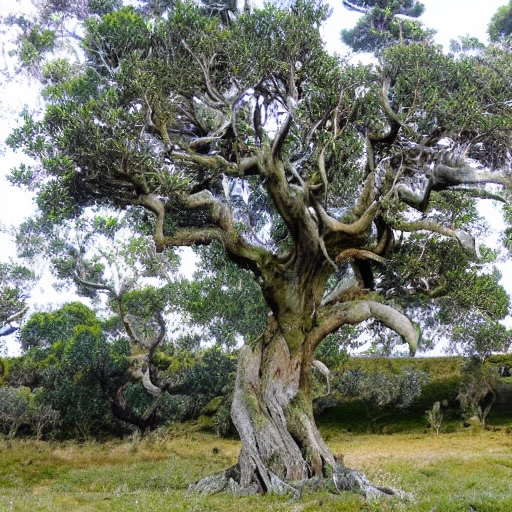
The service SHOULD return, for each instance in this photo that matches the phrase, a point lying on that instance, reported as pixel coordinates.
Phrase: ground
(449, 473)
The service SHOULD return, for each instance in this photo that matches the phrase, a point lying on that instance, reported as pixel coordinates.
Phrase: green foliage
(15, 285)
(34, 44)
(43, 330)
(74, 368)
(477, 393)
(224, 300)
(102, 7)
(80, 380)
(118, 33)
(481, 336)
(14, 409)
(380, 27)
(210, 376)
(435, 417)
(380, 391)
(332, 352)
(500, 25)
(466, 44)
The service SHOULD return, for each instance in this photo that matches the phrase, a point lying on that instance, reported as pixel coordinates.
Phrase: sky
(451, 18)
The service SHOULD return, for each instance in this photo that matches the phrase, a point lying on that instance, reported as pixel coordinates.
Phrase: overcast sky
(451, 18)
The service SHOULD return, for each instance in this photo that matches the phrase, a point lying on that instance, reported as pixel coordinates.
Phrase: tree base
(342, 479)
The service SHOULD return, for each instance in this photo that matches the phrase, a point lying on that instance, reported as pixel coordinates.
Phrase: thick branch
(16, 315)
(446, 176)
(214, 93)
(357, 227)
(394, 121)
(281, 135)
(353, 7)
(466, 241)
(246, 167)
(155, 205)
(331, 318)
(212, 162)
(223, 230)
(451, 169)
(94, 286)
(360, 254)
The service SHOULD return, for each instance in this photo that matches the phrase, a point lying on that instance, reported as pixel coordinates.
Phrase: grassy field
(457, 471)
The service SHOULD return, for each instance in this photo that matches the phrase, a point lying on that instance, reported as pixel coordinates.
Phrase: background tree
(339, 162)
(385, 22)
(72, 369)
(15, 285)
(500, 25)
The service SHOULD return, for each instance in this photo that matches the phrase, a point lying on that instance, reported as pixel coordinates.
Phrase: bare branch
(215, 95)
(94, 286)
(331, 318)
(281, 135)
(357, 227)
(155, 205)
(318, 365)
(360, 254)
(149, 386)
(216, 163)
(445, 176)
(15, 316)
(466, 241)
(352, 7)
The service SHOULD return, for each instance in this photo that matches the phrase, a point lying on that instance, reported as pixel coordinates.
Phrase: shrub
(14, 409)
(381, 392)
(477, 392)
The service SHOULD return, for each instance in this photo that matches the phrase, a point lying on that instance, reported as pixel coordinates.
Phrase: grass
(448, 473)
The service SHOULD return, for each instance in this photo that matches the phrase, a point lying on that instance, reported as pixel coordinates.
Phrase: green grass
(446, 473)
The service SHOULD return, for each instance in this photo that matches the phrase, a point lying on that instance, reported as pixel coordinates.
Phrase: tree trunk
(272, 411)
(282, 449)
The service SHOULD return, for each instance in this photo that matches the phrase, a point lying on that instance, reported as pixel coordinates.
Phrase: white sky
(451, 18)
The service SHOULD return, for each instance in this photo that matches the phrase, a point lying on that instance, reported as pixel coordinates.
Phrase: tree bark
(272, 411)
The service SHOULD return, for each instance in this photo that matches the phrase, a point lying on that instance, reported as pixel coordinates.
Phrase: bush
(14, 409)
(382, 392)
(478, 389)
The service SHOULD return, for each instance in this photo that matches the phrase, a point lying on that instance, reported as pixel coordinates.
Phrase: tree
(481, 337)
(500, 25)
(42, 330)
(335, 160)
(385, 22)
(15, 284)
(14, 409)
(80, 375)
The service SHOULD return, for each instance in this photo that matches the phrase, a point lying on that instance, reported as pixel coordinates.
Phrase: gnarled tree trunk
(272, 411)
(282, 449)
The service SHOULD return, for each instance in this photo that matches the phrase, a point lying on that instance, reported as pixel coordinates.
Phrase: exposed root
(341, 480)
(345, 479)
